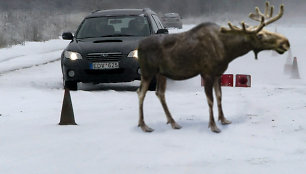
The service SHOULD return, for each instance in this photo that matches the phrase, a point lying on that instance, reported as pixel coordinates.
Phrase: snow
(30, 54)
(267, 134)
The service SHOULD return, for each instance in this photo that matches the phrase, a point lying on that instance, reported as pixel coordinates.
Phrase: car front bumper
(127, 71)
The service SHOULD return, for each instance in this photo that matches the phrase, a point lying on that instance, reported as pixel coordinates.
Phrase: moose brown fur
(207, 50)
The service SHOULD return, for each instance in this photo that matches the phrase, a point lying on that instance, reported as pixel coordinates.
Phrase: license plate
(104, 65)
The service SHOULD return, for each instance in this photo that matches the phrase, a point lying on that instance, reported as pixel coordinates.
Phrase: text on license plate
(104, 65)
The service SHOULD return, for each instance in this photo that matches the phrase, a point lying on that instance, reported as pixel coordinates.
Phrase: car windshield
(114, 26)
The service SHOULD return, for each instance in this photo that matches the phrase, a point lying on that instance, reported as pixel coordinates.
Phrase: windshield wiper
(116, 35)
(111, 35)
(84, 38)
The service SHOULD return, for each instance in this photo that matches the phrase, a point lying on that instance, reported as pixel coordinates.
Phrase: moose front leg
(142, 90)
(160, 93)
(209, 82)
(218, 92)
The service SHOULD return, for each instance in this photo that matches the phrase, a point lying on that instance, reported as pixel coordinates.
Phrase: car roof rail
(95, 11)
(146, 9)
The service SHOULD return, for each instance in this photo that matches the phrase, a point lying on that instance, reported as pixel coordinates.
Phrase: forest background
(41, 20)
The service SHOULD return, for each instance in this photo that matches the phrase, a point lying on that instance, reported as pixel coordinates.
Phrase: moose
(205, 50)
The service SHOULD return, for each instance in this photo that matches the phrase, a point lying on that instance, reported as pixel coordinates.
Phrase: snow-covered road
(268, 133)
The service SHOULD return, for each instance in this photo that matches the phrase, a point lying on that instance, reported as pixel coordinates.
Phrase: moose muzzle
(283, 47)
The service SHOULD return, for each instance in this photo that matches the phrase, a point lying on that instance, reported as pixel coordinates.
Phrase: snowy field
(268, 133)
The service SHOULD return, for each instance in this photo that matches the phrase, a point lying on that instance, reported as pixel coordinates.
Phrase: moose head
(259, 38)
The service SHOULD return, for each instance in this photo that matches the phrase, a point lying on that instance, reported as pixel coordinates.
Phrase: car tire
(152, 86)
(71, 85)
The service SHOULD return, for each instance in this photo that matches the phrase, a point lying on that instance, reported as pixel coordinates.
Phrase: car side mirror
(162, 31)
(67, 36)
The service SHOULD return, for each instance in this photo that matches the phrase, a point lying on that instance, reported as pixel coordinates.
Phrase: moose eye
(260, 36)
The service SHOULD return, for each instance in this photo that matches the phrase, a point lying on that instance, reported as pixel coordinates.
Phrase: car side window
(157, 21)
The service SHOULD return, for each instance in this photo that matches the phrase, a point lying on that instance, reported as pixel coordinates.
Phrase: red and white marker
(241, 80)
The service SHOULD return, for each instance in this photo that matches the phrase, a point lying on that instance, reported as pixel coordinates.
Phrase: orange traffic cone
(288, 65)
(295, 70)
(67, 116)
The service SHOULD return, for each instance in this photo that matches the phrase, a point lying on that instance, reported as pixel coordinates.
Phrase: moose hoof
(225, 122)
(146, 128)
(215, 129)
(175, 126)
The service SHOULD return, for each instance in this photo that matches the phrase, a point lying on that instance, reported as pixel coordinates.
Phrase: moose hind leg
(142, 90)
(218, 92)
(210, 100)
(160, 93)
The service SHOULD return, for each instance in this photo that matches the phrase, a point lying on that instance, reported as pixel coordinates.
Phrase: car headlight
(134, 54)
(72, 55)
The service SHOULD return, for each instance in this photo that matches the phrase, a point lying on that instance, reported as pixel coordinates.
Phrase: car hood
(104, 45)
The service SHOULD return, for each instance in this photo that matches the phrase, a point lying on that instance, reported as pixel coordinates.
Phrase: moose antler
(268, 14)
(245, 29)
(258, 16)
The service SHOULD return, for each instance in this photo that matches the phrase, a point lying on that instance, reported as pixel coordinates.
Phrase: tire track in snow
(10, 58)
(29, 66)
(15, 57)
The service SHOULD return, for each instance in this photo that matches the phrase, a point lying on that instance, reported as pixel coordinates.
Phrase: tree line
(184, 7)
(36, 20)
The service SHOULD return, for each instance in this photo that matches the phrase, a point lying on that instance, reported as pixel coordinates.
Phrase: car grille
(104, 56)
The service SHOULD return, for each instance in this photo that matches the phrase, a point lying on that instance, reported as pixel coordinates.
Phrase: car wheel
(152, 86)
(71, 85)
